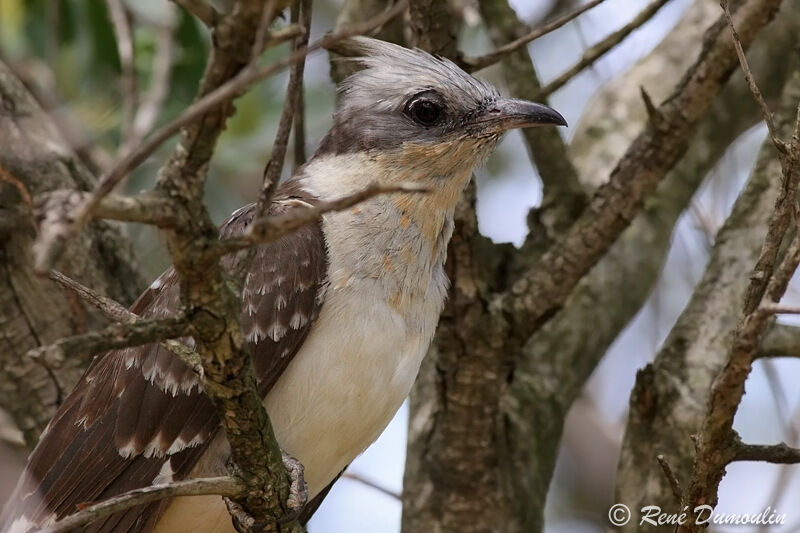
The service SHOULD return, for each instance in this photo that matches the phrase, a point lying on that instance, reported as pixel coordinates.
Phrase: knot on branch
(56, 214)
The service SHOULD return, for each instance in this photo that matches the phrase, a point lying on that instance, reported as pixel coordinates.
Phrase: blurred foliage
(66, 51)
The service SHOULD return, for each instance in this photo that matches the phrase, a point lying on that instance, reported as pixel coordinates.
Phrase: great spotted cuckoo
(339, 314)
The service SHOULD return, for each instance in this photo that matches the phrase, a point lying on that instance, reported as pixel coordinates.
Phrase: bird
(338, 315)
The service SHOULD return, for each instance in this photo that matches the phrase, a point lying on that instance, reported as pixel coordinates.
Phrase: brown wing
(139, 416)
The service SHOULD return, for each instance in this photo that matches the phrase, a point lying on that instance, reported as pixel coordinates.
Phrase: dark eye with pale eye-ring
(424, 111)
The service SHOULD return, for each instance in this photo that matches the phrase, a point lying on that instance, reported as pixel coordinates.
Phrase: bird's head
(423, 109)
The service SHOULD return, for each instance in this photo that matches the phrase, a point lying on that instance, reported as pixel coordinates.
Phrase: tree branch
(371, 484)
(674, 484)
(32, 310)
(115, 336)
(202, 10)
(563, 196)
(119, 313)
(153, 100)
(223, 486)
(56, 208)
(123, 33)
(53, 238)
(716, 443)
(274, 167)
(545, 287)
(272, 228)
(597, 51)
(112, 309)
(748, 76)
(781, 340)
(471, 64)
(768, 453)
(663, 410)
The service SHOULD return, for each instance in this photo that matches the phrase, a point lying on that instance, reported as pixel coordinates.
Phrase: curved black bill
(511, 113)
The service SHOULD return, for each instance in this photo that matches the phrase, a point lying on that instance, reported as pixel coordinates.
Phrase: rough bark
(524, 424)
(668, 402)
(432, 26)
(563, 354)
(33, 310)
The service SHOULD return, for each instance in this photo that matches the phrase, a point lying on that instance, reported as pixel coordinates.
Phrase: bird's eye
(424, 111)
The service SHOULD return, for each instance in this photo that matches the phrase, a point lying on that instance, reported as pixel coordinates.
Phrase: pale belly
(334, 399)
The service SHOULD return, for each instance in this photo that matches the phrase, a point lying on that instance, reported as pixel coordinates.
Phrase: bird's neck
(395, 242)
(426, 216)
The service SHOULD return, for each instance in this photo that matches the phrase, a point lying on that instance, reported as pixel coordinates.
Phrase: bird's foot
(298, 490)
(244, 522)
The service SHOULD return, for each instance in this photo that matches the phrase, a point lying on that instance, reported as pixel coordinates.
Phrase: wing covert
(139, 414)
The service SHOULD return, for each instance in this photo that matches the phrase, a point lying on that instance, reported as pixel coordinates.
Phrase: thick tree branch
(32, 311)
(432, 26)
(56, 207)
(211, 302)
(781, 340)
(768, 453)
(543, 290)
(716, 443)
(664, 411)
(460, 457)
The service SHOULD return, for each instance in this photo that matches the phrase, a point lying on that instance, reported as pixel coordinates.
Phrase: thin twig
(371, 484)
(111, 308)
(299, 142)
(112, 337)
(153, 100)
(117, 312)
(202, 10)
(121, 25)
(50, 245)
(748, 76)
(592, 54)
(223, 486)
(674, 484)
(299, 128)
(481, 62)
(272, 228)
(274, 167)
(262, 33)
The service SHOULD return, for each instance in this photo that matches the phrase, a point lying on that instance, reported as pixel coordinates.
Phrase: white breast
(346, 383)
